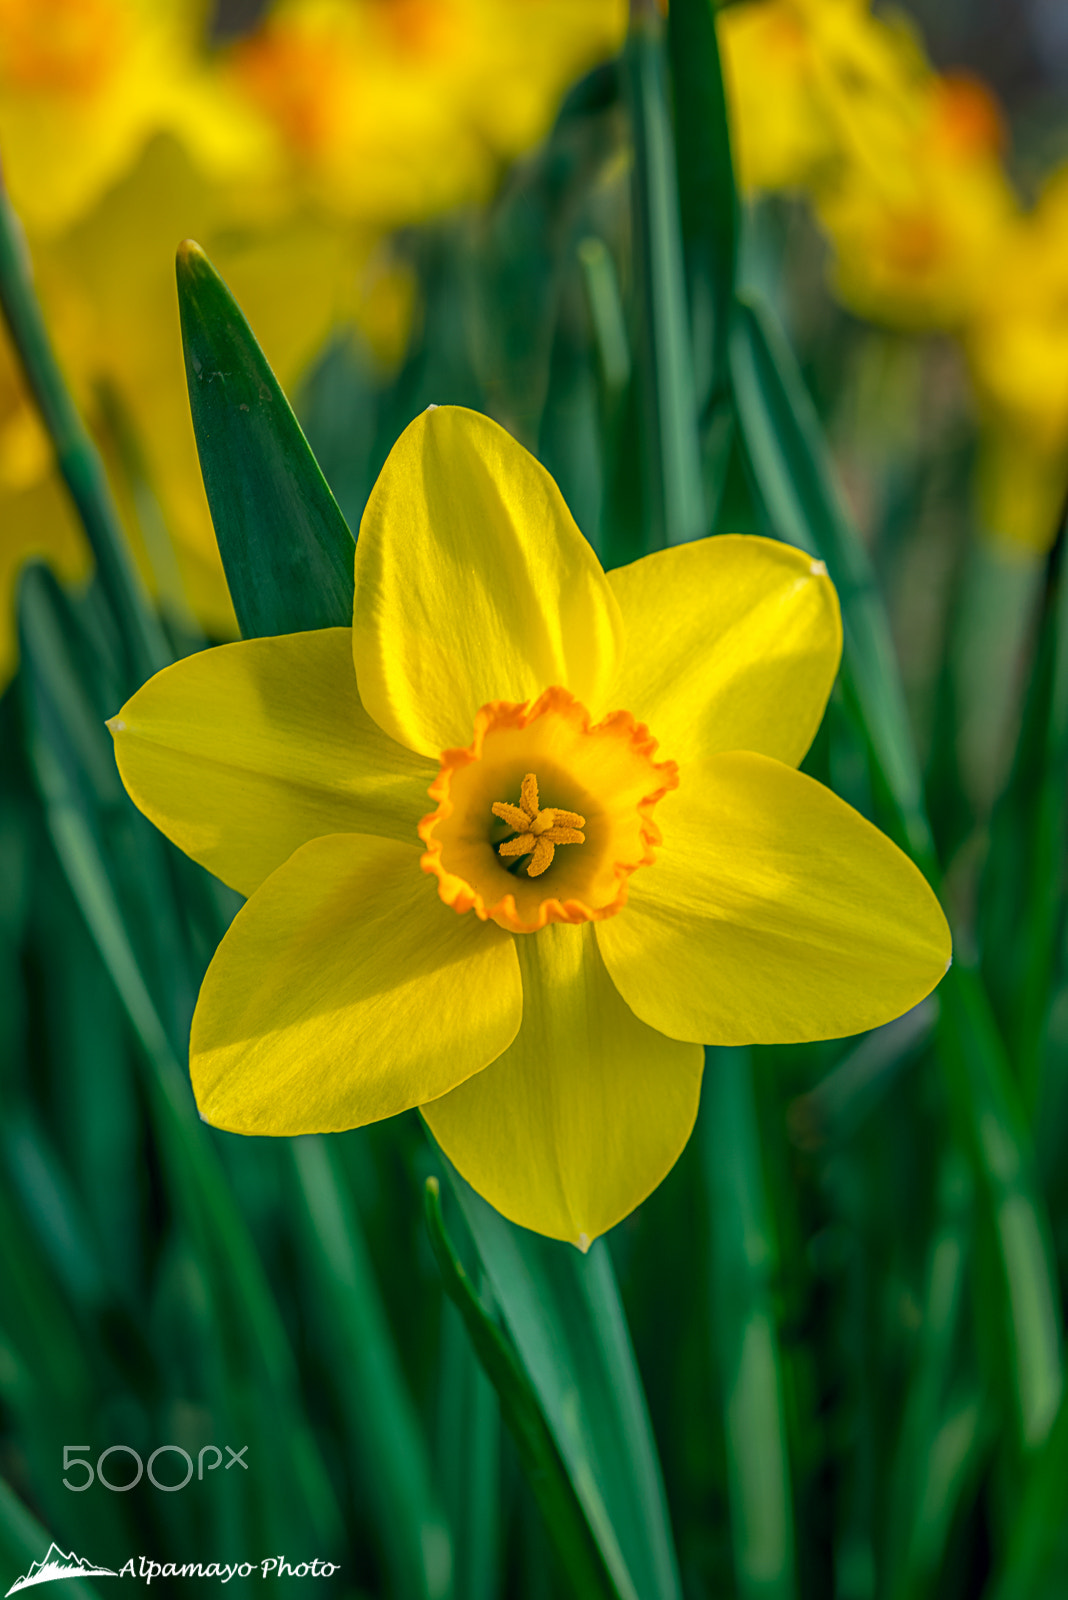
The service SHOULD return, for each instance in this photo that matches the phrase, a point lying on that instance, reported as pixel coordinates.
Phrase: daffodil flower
(546, 1017)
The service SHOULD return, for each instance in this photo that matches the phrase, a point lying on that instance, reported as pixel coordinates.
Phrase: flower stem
(144, 646)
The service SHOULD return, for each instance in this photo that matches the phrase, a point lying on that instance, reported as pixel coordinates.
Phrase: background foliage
(826, 1357)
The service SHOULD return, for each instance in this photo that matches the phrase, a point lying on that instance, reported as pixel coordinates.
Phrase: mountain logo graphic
(57, 1565)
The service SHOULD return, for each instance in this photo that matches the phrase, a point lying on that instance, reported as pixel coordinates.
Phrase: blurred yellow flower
(795, 70)
(919, 210)
(1018, 350)
(392, 111)
(902, 166)
(545, 1008)
(85, 83)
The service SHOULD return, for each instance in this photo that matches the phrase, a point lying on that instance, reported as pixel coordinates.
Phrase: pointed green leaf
(566, 1321)
(286, 548)
(746, 1339)
(794, 480)
(541, 1462)
(1023, 893)
(373, 1391)
(708, 200)
(665, 356)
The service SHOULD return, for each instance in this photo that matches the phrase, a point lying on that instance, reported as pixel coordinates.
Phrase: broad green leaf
(791, 469)
(563, 1313)
(991, 1124)
(708, 200)
(794, 480)
(1036, 1560)
(381, 1415)
(945, 1423)
(746, 1339)
(1023, 889)
(250, 1328)
(538, 1455)
(284, 544)
(665, 362)
(141, 641)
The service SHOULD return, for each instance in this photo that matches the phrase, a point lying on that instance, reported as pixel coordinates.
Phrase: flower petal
(732, 644)
(345, 991)
(242, 753)
(586, 1112)
(472, 584)
(774, 913)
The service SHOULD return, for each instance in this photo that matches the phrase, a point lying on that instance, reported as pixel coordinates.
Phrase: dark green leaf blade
(537, 1452)
(286, 548)
(708, 199)
(794, 480)
(665, 358)
(564, 1315)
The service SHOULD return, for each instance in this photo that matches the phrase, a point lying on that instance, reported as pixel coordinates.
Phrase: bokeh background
(844, 1305)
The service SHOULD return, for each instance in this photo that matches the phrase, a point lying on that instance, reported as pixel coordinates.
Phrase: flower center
(536, 832)
(607, 782)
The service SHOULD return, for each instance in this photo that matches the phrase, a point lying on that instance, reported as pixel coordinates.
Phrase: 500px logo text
(74, 1458)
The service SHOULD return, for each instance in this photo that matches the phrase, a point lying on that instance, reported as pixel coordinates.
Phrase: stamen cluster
(537, 832)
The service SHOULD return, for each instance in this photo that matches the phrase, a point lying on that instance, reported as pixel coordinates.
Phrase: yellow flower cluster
(289, 153)
(904, 169)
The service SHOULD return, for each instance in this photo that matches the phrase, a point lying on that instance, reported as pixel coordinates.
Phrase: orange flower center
(503, 861)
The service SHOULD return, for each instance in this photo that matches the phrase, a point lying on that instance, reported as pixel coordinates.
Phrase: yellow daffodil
(919, 211)
(544, 1003)
(85, 83)
(393, 112)
(798, 73)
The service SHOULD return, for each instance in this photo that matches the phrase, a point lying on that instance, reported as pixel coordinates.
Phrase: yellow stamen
(537, 832)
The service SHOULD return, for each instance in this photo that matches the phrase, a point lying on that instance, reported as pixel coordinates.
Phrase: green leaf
(381, 1415)
(249, 1324)
(563, 1312)
(1023, 888)
(791, 469)
(665, 360)
(745, 1335)
(141, 640)
(1036, 1561)
(794, 481)
(538, 1455)
(708, 200)
(286, 548)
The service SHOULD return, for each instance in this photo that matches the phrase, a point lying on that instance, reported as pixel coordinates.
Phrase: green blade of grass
(942, 1428)
(468, 1460)
(381, 1415)
(791, 470)
(143, 643)
(991, 1124)
(790, 467)
(708, 200)
(560, 1507)
(1024, 877)
(247, 1317)
(1035, 1566)
(665, 362)
(745, 1336)
(564, 1315)
(279, 528)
